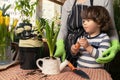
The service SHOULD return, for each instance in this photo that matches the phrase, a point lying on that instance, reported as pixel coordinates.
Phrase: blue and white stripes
(100, 43)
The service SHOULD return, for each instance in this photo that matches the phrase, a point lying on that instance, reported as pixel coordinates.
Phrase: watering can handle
(37, 63)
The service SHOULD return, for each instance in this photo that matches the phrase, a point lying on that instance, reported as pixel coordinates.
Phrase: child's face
(91, 27)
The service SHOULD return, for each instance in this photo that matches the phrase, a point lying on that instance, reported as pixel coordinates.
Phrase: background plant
(26, 8)
(116, 6)
(40, 29)
(4, 25)
(51, 37)
(48, 31)
(6, 30)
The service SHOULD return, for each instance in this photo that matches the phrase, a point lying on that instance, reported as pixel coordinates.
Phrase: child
(96, 22)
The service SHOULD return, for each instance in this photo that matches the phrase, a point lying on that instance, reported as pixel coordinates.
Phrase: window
(48, 9)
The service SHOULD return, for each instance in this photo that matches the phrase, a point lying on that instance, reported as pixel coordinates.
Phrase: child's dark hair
(98, 14)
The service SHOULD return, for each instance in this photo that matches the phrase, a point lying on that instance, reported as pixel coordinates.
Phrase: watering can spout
(63, 65)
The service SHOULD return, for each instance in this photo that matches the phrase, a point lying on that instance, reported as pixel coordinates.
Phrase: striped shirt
(100, 43)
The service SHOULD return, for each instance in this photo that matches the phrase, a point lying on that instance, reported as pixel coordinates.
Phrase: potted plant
(29, 45)
(49, 32)
(51, 36)
(6, 35)
(26, 9)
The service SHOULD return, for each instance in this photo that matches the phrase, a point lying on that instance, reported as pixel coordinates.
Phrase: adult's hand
(60, 50)
(110, 53)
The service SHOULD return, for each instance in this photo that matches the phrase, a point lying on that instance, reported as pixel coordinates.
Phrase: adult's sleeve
(66, 8)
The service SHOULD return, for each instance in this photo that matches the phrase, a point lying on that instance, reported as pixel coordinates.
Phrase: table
(16, 73)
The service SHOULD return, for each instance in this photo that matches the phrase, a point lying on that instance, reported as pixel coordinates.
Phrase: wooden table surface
(16, 73)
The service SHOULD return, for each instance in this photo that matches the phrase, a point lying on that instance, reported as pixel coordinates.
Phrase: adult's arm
(60, 50)
(66, 9)
(110, 53)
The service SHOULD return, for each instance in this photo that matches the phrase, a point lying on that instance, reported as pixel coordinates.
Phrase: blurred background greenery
(116, 6)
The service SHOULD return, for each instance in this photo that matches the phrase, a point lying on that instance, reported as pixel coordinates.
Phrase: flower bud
(7, 20)
(15, 22)
(1, 12)
(1, 20)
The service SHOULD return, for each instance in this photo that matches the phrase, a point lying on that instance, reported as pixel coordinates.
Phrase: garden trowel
(78, 72)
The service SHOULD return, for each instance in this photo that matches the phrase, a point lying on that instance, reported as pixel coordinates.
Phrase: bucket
(28, 57)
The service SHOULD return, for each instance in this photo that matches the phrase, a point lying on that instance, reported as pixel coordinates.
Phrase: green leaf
(25, 8)
(51, 33)
(5, 8)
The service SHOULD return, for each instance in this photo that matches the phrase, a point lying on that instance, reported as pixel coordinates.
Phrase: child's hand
(75, 48)
(83, 42)
(77, 45)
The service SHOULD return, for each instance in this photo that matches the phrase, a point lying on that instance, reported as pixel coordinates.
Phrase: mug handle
(37, 63)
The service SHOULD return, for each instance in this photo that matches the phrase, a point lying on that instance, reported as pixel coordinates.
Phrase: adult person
(71, 24)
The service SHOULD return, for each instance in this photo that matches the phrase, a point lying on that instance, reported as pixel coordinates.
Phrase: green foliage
(26, 8)
(6, 31)
(51, 33)
(5, 36)
(40, 22)
(4, 8)
(51, 36)
(116, 6)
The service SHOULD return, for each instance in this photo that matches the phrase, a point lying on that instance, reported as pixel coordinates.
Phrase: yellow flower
(0, 12)
(1, 20)
(15, 21)
(7, 20)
